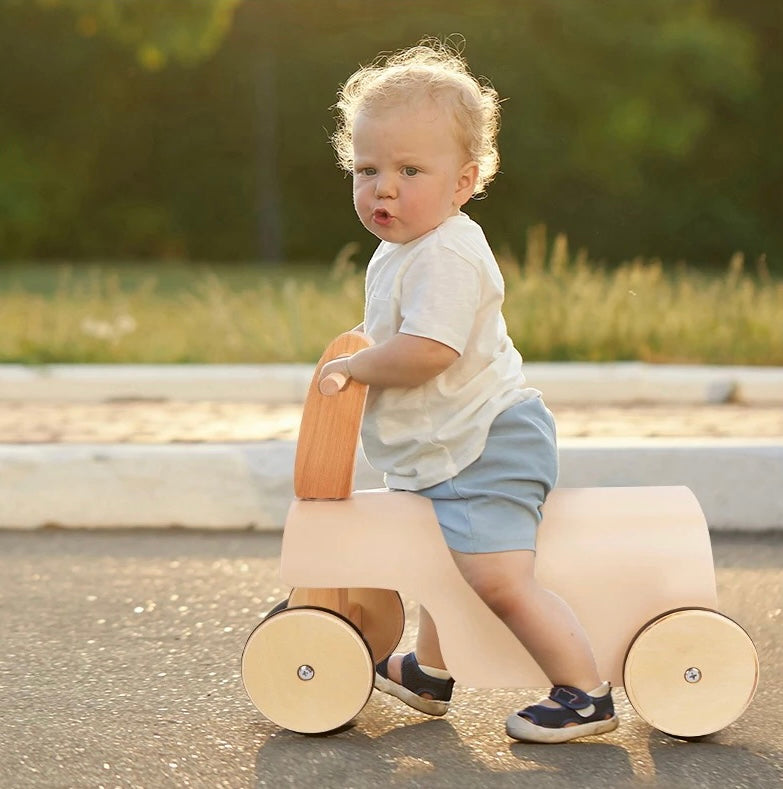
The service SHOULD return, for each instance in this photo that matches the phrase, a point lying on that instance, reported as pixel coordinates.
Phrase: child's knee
(506, 598)
(505, 582)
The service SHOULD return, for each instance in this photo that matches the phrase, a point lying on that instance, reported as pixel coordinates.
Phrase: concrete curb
(615, 382)
(249, 485)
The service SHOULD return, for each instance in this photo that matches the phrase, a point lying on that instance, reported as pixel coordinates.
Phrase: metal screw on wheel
(307, 669)
(691, 672)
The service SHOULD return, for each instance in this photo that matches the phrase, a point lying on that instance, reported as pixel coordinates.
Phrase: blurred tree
(610, 105)
(157, 31)
(84, 133)
(756, 132)
(200, 130)
(269, 208)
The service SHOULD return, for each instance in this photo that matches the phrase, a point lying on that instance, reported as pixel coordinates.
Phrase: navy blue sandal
(414, 683)
(579, 714)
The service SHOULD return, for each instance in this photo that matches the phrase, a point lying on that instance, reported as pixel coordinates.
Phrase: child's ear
(466, 183)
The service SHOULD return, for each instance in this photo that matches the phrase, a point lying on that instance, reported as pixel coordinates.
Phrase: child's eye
(366, 171)
(410, 171)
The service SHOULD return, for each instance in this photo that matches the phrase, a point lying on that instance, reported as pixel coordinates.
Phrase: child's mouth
(381, 216)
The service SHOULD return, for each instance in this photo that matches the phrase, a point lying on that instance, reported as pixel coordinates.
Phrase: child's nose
(385, 186)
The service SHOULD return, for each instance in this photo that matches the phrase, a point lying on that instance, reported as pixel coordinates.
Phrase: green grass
(558, 307)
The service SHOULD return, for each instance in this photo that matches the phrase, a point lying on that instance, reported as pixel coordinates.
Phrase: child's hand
(339, 369)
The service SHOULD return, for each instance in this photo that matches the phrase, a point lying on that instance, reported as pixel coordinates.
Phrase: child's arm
(404, 360)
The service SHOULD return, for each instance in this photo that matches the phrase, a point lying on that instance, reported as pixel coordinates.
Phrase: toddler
(448, 415)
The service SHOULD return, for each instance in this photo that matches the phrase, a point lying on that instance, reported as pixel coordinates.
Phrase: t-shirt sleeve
(440, 295)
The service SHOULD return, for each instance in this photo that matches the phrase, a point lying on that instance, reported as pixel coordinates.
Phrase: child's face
(410, 173)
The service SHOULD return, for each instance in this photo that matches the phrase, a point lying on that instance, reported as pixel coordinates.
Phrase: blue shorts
(495, 503)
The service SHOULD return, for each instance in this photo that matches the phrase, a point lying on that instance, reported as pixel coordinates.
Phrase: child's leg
(542, 621)
(551, 633)
(427, 644)
(548, 629)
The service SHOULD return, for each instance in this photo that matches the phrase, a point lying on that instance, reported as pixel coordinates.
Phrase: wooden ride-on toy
(648, 600)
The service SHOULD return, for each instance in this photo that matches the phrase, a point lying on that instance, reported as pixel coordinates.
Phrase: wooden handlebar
(329, 431)
(333, 383)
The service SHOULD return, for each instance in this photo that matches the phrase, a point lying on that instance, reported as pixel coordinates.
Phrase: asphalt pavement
(120, 667)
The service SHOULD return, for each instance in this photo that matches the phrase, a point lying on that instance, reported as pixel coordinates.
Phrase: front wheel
(307, 669)
(381, 617)
(691, 672)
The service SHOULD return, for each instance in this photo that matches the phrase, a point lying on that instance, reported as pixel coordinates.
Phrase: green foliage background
(191, 130)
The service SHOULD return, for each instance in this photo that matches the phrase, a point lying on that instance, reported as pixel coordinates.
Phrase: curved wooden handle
(333, 383)
(329, 432)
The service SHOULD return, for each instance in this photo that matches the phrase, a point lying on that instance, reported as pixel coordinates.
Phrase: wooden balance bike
(309, 666)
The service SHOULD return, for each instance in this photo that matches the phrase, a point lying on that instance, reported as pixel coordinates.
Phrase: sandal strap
(576, 707)
(418, 681)
(413, 678)
(570, 697)
(550, 717)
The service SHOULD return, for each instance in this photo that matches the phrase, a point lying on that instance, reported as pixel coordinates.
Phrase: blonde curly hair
(432, 70)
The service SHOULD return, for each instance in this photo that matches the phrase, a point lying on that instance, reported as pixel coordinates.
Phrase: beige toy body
(635, 564)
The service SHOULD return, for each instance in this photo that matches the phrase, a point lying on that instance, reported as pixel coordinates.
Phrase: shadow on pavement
(434, 753)
(680, 763)
(431, 754)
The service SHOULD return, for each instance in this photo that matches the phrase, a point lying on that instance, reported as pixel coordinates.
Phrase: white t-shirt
(446, 286)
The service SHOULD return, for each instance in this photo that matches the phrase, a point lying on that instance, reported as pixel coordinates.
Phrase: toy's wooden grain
(329, 431)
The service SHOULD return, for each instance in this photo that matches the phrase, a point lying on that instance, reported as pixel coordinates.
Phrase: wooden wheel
(307, 669)
(691, 672)
(378, 613)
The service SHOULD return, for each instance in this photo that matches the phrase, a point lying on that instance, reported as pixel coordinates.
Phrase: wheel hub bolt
(692, 674)
(305, 672)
